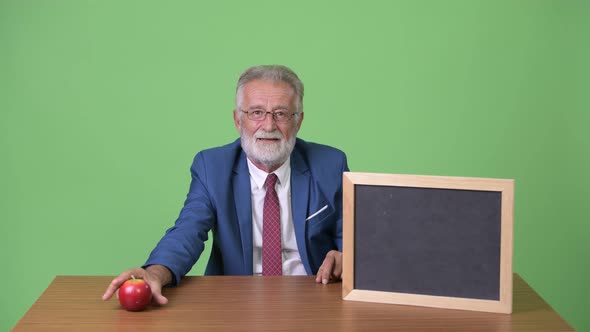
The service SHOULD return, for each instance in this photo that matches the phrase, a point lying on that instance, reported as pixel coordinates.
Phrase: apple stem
(132, 276)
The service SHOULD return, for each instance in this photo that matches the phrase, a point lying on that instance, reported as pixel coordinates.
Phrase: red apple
(135, 294)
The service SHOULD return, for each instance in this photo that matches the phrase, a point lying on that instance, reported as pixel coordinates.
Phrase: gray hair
(274, 73)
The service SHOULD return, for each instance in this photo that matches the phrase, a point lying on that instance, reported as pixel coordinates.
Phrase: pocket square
(315, 214)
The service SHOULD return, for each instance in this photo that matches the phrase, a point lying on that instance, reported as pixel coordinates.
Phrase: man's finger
(318, 277)
(326, 268)
(114, 285)
(155, 287)
(120, 279)
(337, 271)
(109, 292)
(157, 294)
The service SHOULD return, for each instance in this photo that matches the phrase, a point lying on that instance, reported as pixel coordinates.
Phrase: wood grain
(72, 303)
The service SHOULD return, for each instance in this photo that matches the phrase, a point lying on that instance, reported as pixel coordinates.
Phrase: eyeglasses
(278, 116)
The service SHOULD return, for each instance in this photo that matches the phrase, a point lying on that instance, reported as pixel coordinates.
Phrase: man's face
(267, 143)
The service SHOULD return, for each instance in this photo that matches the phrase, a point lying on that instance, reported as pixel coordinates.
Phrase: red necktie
(272, 262)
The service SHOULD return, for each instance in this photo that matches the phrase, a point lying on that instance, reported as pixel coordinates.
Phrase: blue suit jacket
(219, 199)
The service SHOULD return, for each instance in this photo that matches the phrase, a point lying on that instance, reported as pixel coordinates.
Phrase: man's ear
(237, 121)
(300, 121)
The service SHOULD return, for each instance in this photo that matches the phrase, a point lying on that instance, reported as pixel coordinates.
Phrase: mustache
(267, 135)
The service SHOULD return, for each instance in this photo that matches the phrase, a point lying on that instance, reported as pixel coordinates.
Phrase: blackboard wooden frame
(505, 187)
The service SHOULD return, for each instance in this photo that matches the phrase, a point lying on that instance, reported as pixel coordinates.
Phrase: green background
(103, 105)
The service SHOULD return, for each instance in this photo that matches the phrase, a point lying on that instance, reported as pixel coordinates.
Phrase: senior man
(272, 201)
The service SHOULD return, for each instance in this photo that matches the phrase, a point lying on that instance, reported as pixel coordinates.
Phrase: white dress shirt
(292, 264)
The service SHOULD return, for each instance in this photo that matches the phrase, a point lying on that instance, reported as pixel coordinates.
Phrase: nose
(269, 124)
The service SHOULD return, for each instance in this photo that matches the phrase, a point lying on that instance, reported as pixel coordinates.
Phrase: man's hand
(155, 275)
(331, 269)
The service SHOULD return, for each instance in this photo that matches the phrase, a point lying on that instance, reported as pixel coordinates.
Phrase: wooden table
(72, 303)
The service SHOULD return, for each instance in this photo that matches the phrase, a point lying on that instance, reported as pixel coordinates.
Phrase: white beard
(269, 155)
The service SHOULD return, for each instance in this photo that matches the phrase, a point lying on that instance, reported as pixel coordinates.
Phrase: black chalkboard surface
(432, 241)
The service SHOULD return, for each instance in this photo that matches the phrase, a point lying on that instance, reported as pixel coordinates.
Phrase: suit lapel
(242, 197)
(300, 180)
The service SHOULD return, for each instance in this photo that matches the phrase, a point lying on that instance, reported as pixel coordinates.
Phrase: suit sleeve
(338, 239)
(182, 245)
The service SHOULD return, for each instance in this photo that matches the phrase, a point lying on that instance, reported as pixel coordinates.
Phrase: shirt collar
(259, 176)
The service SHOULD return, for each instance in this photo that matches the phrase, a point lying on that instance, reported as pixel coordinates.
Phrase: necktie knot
(271, 180)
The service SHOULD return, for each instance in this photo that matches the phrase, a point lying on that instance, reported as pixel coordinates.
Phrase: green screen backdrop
(103, 105)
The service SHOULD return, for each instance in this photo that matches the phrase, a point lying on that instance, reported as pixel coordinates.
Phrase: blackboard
(432, 241)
